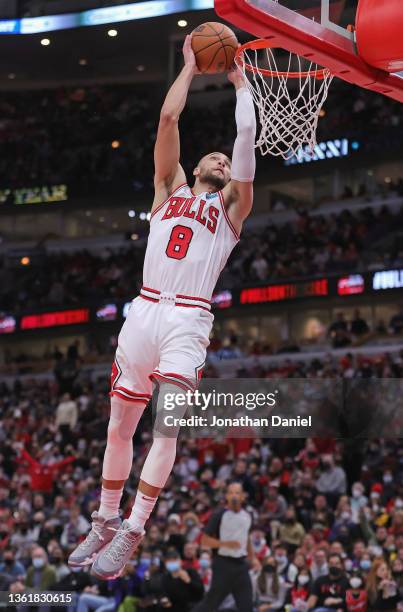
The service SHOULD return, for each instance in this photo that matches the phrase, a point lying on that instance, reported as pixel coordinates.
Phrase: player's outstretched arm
(238, 194)
(168, 172)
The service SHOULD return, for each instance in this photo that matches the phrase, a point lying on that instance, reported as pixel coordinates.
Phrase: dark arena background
(313, 290)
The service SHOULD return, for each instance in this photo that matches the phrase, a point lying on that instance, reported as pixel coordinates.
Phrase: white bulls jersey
(191, 238)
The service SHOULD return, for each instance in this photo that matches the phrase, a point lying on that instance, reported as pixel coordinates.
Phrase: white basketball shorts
(160, 341)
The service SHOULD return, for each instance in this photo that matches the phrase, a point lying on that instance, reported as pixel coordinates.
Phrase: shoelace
(121, 544)
(94, 533)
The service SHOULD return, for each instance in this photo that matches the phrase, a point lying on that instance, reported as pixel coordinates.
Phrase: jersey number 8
(179, 242)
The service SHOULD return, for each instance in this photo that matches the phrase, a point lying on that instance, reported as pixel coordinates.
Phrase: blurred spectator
(292, 532)
(319, 565)
(338, 332)
(75, 528)
(300, 591)
(9, 565)
(332, 481)
(66, 418)
(43, 474)
(358, 326)
(40, 575)
(356, 596)
(269, 587)
(381, 587)
(329, 591)
(259, 267)
(180, 588)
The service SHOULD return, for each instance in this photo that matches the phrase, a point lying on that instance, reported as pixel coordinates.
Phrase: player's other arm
(238, 194)
(168, 171)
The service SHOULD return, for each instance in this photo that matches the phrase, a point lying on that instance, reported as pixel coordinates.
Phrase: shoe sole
(107, 577)
(94, 573)
(88, 560)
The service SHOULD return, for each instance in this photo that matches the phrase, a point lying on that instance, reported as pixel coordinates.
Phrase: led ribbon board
(113, 14)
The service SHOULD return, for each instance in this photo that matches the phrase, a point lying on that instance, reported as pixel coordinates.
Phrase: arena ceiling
(140, 52)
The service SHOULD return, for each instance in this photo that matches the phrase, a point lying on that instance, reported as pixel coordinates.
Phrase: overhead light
(112, 33)
(143, 216)
(25, 261)
(148, 216)
(101, 219)
(45, 42)
(82, 61)
(140, 68)
(88, 213)
(132, 213)
(11, 75)
(388, 179)
(182, 23)
(322, 112)
(134, 237)
(115, 144)
(115, 225)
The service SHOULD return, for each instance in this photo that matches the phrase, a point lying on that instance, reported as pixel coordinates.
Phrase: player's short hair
(234, 482)
(214, 153)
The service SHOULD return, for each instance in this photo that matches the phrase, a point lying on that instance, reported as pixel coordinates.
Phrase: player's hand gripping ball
(214, 45)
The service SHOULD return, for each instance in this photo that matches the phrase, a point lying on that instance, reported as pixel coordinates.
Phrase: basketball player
(166, 333)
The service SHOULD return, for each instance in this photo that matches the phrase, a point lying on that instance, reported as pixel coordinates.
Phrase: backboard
(323, 31)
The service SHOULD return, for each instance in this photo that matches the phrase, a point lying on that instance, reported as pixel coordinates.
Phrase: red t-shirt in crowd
(42, 475)
(356, 603)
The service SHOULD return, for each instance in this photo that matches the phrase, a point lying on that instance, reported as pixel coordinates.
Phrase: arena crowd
(309, 246)
(327, 514)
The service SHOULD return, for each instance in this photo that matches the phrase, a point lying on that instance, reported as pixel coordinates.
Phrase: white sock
(110, 500)
(142, 508)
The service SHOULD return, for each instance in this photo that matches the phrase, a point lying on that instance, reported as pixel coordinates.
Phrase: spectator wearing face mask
(359, 549)
(205, 572)
(356, 596)
(9, 565)
(269, 587)
(192, 526)
(180, 588)
(40, 574)
(282, 563)
(291, 531)
(332, 482)
(299, 593)
(365, 564)
(259, 544)
(144, 564)
(381, 587)
(329, 592)
(358, 500)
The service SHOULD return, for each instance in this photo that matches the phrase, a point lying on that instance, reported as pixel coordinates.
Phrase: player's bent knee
(123, 420)
(168, 412)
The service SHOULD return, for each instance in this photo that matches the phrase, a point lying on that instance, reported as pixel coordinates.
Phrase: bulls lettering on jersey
(191, 238)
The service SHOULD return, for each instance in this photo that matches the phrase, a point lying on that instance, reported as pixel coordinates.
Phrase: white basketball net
(288, 106)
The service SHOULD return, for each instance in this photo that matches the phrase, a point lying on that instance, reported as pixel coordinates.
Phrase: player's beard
(213, 179)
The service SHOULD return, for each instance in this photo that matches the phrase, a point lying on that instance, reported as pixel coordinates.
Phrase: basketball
(214, 45)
